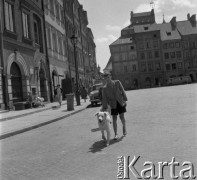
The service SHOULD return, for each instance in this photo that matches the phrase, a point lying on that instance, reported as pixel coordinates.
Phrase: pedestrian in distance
(113, 94)
(59, 95)
(84, 93)
(30, 99)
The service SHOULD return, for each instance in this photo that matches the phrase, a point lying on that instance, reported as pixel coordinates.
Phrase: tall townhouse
(76, 22)
(73, 27)
(57, 45)
(24, 61)
(172, 52)
(79, 53)
(124, 59)
(68, 15)
(92, 57)
(150, 62)
(188, 32)
(84, 40)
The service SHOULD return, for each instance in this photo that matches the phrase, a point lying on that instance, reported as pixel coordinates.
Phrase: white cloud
(142, 8)
(174, 4)
(110, 38)
(112, 28)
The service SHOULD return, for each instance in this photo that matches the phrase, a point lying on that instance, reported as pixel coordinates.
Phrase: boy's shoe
(124, 133)
(116, 137)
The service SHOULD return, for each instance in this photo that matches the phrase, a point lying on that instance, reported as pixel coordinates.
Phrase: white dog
(104, 121)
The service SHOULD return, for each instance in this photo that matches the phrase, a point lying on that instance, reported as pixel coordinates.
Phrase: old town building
(162, 51)
(56, 44)
(76, 22)
(24, 62)
(37, 52)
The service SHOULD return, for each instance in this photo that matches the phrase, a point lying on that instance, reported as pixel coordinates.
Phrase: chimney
(131, 17)
(193, 20)
(173, 23)
(188, 16)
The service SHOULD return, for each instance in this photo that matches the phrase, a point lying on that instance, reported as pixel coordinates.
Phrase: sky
(107, 17)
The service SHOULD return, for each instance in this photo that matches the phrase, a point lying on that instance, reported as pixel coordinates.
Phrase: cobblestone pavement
(161, 124)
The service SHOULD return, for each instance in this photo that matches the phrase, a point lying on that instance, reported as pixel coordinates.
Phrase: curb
(26, 114)
(20, 131)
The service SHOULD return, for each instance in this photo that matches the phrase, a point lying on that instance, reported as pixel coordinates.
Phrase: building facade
(57, 45)
(163, 51)
(37, 53)
(24, 62)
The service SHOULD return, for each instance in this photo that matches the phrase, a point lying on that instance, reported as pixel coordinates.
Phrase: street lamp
(74, 41)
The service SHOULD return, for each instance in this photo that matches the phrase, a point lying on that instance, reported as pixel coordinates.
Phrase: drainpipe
(47, 56)
(3, 72)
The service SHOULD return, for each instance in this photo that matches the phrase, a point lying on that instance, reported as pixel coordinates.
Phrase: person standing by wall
(84, 93)
(113, 94)
(59, 95)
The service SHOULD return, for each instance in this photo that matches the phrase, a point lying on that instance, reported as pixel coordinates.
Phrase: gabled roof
(165, 29)
(121, 40)
(185, 28)
(167, 33)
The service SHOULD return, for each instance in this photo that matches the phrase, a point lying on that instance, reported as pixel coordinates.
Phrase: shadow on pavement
(90, 106)
(55, 107)
(100, 145)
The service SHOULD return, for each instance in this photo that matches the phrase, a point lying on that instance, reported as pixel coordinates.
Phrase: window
(186, 45)
(155, 44)
(54, 42)
(124, 56)
(149, 55)
(143, 67)
(166, 55)
(148, 46)
(165, 46)
(145, 28)
(142, 56)
(57, 12)
(172, 45)
(168, 33)
(132, 47)
(60, 45)
(141, 46)
(116, 57)
(172, 54)
(49, 38)
(134, 67)
(173, 66)
(125, 69)
(9, 22)
(36, 32)
(26, 31)
(154, 35)
(193, 44)
(187, 54)
(150, 67)
(167, 67)
(52, 6)
(156, 54)
(158, 67)
(178, 54)
(177, 44)
(180, 65)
